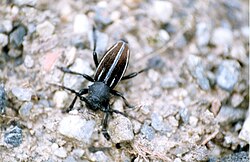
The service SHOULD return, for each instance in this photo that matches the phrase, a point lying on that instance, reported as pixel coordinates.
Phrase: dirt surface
(192, 104)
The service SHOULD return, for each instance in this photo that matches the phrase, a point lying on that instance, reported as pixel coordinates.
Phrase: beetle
(109, 72)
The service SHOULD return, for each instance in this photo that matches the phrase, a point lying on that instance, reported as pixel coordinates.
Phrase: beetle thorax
(98, 96)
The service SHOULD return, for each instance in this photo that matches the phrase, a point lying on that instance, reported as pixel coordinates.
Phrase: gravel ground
(192, 105)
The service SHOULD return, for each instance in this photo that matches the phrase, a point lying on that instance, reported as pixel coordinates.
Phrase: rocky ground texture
(192, 105)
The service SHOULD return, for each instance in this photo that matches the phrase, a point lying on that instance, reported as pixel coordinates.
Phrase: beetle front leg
(105, 125)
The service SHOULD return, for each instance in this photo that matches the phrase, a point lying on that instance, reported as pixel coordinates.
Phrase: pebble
(2, 99)
(236, 100)
(100, 156)
(102, 42)
(60, 99)
(180, 42)
(75, 81)
(25, 109)
(148, 131)
(222, 37)
(158, 123)
(236, 157)
(161, 11)
(70, 56)
(6, 26)
(70, 159)
(173, 121)
(81, 24)
(16, 37)
(102, 16)
(245, 131)
(202, 33)
(168, 82)
(3, 40)
(45, 29)
(228, 74)
(156, 62)
(28, 61)
(193, 121)
(74, 126)
(238, 52)
(185, 114)
(23, 94)
(245, 32)
(121, 129)
(14, 53)
(60, 152)
(196, 69)
(13, 136)
(229, 115)
(24, 2)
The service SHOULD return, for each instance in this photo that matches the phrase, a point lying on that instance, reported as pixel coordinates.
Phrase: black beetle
(109, 71)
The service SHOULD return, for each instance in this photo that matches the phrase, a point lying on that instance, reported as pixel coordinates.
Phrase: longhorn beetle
(109, 71)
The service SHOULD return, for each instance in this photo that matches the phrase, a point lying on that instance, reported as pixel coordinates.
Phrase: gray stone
(3, 40)
(236, 99)
(148, 131)
(6, 26)
(158, 123)
(102, 42)
(45, 29)
(70, 159)
(202, 33)
(25, 2)
(236, 157)
(100, 156)
(228, 74)
(161, 11)
(121, 129)
(2, 99)
(75, 81)
(222, 37)
(102, 16)
(24, 111)
(185, 115)
(81, 24)
(73, 126)
(245, 131)
(28, 61)
(196, 68)
(168, 82)
(181, 42)
(23, 94)
(156, 62)
(60, 98)
(13, 136)
(14, 53)
(16, 37)
(229, 115)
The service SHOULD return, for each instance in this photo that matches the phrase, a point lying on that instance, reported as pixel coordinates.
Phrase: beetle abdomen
(113, 64)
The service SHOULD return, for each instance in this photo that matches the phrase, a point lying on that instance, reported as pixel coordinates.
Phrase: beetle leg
(119, 94)
(129, 76)
(81, 92)
(66, 70)
(94, 50)
(105, 125)
(118, 112)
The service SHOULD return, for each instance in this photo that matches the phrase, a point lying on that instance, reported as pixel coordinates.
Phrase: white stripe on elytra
(127, 60)
(114, 63)
(99, 76)
(107, 53)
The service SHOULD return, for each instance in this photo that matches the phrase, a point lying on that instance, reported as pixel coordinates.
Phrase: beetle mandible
(109, 71)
